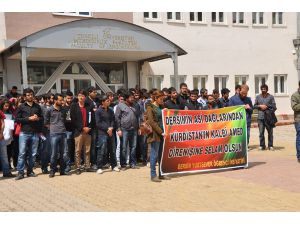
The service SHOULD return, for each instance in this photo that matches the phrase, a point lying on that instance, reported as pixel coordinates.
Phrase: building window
(258, 18)
(259, 80)
(240, 79)
(155, 81)
(277, 18)
(280, 84)
(182, 79)
(199, 82)
(174, 16)
(217, 17)
(238, 18)
(82, 14)
(220, 82)
(197, 17)
(151, 16)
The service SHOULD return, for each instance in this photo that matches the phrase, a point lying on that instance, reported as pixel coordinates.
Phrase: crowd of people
(91, 132)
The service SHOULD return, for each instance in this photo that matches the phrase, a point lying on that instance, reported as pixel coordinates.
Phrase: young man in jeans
(55, 119)
(82, 119)
(30, 116)
(126, 118)
(106, 143)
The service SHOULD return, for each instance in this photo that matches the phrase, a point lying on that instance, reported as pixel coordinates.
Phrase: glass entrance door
(74, 83)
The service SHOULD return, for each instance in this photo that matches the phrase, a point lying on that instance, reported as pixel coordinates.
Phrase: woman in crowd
(154, 119)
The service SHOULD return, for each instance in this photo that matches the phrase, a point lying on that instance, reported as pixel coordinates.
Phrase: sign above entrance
(105, 40)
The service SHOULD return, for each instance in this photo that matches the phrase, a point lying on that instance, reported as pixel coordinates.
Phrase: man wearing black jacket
(83, 121)
(92, 106)
(30, 116)
(193, 104)
(105, 120)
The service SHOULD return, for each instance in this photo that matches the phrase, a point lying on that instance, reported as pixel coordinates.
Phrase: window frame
(179, 76)
(221, 81)
(240, 77)
(279, 85)
(151, 18)
(153, 82)
(277, 24)
(76, 14)
(199, 83)
(173, 19)
(260, 76)
(217, 22)
(257, 18)
(237, 18)
(196, 21)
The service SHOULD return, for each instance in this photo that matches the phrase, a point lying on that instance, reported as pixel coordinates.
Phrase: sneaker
(20, 176)
(8, 175)
(94, 167)
(271, 148)
(78, 171)
(51, 174)
(45, 171)
(118, 165)
(134, 167)
(99, 171)
(261, 148)
(31, 174)
(148, 164)
(155, 179)
(298, 160)
(164, 178)
(116, 169)
(123, 168)
(90, 170)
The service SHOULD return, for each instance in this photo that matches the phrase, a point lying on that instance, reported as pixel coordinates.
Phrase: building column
(24, 67)
(174, 56)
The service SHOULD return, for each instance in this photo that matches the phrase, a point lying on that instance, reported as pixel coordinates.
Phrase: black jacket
(194, 106)
(104, 120)
(24, 112)
(77, 121)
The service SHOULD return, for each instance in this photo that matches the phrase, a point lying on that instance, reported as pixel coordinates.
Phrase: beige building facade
(227, 48)
(224, 49)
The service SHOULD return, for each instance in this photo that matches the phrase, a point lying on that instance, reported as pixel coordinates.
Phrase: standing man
(225, 97)
(83, 122)
(183, 97)
(265, 103)
(55, 119)
(217, 103)
(242, 99)
(92, 106)
(127, 124)
(70, 153)
(13, 93)
(173, 102)
(203, 97)
(193, 103)
(30, 116)
(295, 103)
(106, 143)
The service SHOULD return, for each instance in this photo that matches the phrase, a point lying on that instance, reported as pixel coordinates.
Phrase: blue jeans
(28, 146)
(106, 145)
(58, 147)
(70, 149)
(262, 125)
(93, 151)
(129, 136)
(153, 157)
(297, 127)
(3, 157)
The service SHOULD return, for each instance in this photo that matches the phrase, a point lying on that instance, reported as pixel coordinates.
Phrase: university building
(59, 51)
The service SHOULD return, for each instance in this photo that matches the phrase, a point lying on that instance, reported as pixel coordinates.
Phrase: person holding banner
(242, 99)
(154, 119)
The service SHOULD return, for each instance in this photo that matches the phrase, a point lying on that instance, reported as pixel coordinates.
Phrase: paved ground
(271, 183)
